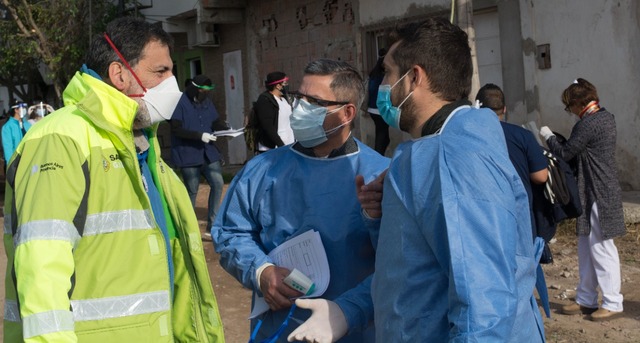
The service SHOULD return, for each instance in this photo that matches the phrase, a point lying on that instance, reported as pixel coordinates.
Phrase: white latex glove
(208, 137)
(546, 132)
(327, 322)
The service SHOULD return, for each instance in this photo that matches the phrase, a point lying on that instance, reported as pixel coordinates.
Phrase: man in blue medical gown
(309, 185)
(455, 255)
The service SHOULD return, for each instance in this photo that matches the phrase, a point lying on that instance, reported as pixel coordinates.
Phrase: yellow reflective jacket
(86, 260)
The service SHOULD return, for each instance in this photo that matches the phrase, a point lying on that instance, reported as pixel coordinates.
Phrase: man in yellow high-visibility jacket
(101, 238)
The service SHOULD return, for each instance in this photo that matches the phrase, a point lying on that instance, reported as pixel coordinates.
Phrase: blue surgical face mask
(390, 113)
(306, 122)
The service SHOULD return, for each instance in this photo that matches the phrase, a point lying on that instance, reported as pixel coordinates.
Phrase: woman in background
(593, 145)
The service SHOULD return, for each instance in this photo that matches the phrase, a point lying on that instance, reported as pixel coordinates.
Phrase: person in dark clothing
(524, 152)
(382, 128)
(192, 148)
(273, 111)
(593, 144)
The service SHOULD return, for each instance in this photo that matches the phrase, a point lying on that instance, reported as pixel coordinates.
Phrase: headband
(205, 87)
(286, 78)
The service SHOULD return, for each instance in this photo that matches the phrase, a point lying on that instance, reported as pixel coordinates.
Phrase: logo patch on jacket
(50, 166)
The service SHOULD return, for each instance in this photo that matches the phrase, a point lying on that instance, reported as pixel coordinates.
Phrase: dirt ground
(562, 276)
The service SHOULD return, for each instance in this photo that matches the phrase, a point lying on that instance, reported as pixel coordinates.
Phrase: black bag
(252, 129)
(556, 189)
(562, 187)
(547, 256)
(554, 201)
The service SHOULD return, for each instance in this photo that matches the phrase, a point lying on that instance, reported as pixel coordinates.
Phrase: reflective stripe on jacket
(81, 239)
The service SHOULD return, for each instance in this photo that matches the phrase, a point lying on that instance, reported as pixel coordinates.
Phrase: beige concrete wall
(594, 39)
(598, 41)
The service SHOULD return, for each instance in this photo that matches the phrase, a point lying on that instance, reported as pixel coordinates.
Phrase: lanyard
(273, 338)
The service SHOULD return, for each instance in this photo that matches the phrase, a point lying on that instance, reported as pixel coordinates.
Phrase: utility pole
(464, 9)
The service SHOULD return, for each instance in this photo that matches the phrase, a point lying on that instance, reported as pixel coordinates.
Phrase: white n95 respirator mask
(162, 99)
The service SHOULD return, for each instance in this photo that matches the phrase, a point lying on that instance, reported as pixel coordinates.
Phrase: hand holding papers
(306, 254)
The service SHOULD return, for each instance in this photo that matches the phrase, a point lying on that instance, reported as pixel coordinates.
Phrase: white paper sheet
(305, 253)
(229, 132)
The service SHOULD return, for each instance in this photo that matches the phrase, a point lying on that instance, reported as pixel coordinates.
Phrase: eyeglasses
(273, 338)
(314, 101)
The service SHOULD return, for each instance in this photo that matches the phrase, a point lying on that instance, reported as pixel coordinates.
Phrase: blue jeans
(213, 174)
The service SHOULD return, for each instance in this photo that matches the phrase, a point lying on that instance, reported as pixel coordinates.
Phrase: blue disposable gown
(455, 259)
(11, 136)
(283, 193)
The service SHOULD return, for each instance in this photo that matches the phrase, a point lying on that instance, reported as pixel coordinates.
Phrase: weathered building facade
(533, 49)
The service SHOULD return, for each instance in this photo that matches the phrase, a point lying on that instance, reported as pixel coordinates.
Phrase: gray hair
(130, 35)
(347, 84)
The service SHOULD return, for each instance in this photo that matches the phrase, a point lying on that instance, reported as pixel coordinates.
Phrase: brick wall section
(292, 33)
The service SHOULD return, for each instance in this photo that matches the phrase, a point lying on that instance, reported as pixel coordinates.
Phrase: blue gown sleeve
(476, 240)
(7, 144)
(357, 305)
(236, 234)
(373, 226)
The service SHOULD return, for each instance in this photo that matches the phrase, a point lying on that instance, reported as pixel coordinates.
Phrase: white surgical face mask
(162, 99)
(23, 112)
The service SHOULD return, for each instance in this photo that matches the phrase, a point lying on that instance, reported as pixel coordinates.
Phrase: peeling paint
(414, 9)
(329, 10)
(347, 15)
(301, 16)
(270, 23)
(531, 99)
(377, 13)
(529, 47)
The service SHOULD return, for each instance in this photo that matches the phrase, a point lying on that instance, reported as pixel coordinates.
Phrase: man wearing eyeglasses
(273, 111)
(309, 185)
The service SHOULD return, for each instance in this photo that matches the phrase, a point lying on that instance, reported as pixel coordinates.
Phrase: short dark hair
(130, 35)
(491, 96)
(347, 84)
(581, 92)
(273, 77)
(442, 50)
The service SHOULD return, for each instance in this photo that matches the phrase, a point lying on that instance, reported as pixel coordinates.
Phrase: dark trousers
(382, 134)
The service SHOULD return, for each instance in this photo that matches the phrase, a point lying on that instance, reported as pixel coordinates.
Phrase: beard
(408, 115)
(142, 119)
(407, 110)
